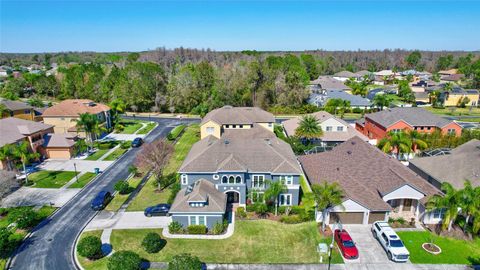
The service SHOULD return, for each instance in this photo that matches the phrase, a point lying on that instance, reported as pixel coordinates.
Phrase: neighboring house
(375, 185)
(344, 76)
(448, 72)
(228, 117)
(377, 125)
(335, 130)
(457, 94)
(422, 98)
(362, 73)
(3, 72)
(199, 204)
(439, 169)
(325, 83)
(17, 109)
(15, 131)
(451, 78)
(321, 99)
(384, 90)
(59, 146)
(64, 115)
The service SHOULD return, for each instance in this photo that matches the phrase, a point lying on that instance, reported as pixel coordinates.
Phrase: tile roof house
(438, 169)
(64, 114)
(375, 185)
(327, 83)
(17, 109)
(377, 125)
(457, 95)
(356, 101)
(59, 146)
(335, 130)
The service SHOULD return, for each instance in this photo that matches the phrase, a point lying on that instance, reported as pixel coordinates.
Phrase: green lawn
(351, 115)
(83, 180)
(174, 133)
(51, 179)
(130, 126)
(115, 154)
(473, 119)
(98, 154)
(119, 199)
(147, 128)
(453, 111)
(88, 264)
(453, 251)
(259, 241)
(148, 195)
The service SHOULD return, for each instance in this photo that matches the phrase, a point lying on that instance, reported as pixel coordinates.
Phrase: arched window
(231, 179)
(238, 179)
(224, 179)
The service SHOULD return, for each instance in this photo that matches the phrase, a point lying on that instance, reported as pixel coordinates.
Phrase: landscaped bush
(241, 212)
(185, 261)
(3, 211)
(291, 219)
(90, 247)
(122, 187)
(219, 228)
(105, 145)
(307, 215)
(175, 227)
(153, 243)
(282, 209)
(125, 144)
(261, 209)
(119, 127)
(7, 243)
(250, 208)
(357, 110)
(197, 229)
(296, 210)
(124, 260)
(401, 220)
(25, 217)
(173, 135)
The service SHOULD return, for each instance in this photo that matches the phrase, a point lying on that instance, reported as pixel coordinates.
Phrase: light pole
(75, 168)
(330, 255)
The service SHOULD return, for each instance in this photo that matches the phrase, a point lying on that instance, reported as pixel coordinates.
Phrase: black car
(157, 210)
(137, 142)
(101, 200)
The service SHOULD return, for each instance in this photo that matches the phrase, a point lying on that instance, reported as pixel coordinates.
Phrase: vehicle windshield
(396, 243)
(348, 243)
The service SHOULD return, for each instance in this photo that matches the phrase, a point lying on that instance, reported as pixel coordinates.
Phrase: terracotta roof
(74, 107)
(59, 140)
(14, 129)
(13, 105)
(364, 172)
(414, 116)
(465, 158)
(201, 191)
(238, 115)
(253, 150)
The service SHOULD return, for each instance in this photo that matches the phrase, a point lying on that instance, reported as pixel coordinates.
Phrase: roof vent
(338, 169)
(349, 152)
(226, 141)
(268, 141)
(227, 107)
(353, 143)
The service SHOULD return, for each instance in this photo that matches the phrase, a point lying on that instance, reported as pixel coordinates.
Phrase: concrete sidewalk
(67, 165)
(126, 220)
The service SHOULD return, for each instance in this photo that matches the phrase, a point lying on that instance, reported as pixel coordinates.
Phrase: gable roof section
(59, 140)
(345, 74)
(75, 107)
(238, 115)
(13, 105)
(14, 129)
(365, 173)
(253, 150)
(329, 83)
(413, 116)
(203, 190)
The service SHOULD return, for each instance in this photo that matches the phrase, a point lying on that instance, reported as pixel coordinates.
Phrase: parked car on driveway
(390, 241)
(157, 210)
(101, 200)
(137, 142)
(345, 244)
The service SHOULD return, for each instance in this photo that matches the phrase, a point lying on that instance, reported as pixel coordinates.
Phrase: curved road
(51, 244)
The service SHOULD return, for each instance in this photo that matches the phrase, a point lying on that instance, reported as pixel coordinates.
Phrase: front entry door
(407, 204)
(232, 197)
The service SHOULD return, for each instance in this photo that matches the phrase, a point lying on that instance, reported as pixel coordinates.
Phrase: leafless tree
(154, 157)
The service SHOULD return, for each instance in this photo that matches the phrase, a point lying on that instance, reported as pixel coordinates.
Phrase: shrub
(401, 220)
(296, 210)
(175, 132)
(185, 261)
(25, 217)
(174, 227)
(7, 242)
(125, 144)
(261, 209)
(124, 260)
(175, 188)
(122, 187)
(3, 211)
(357, 110)
(291, 219)
(250, 208)
(153, 243)
(197, 229)
(391, 220)
(307, 215)
(282, 209)
(218, 228)
(90, 247)
(241, 212)
(119, 127)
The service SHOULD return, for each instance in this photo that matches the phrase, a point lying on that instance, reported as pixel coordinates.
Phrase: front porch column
(417, 210)
(400, 206)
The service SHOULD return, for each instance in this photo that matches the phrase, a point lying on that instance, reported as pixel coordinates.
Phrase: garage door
(376, 216)
(346, 217)
(58, 153)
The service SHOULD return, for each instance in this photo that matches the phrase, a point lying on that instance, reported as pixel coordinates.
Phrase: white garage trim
(404, 192)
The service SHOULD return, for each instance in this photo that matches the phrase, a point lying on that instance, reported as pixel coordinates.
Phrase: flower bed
(432, 248)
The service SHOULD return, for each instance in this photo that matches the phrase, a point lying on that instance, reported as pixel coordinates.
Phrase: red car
(346, 244)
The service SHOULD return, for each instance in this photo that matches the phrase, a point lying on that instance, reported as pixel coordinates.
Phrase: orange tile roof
(74, 107)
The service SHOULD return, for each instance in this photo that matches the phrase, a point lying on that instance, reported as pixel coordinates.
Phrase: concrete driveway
(27, 196)
(67, 165)
(126, 220)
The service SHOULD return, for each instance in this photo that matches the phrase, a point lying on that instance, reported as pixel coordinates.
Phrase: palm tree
(326, 196)
(309, 128)
(450, 202)
(6, 155)
(469, 201)
(90, 124)
(382, 100)
(117, 106)
(22, 151)
(418, 143)
(275, 188)
(397, 142)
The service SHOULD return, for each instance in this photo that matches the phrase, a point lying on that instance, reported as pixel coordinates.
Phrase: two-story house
(64, 115)
(238, 161)
(17, 109)
(377, 125)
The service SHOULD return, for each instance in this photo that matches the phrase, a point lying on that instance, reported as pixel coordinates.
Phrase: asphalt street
(51, 244)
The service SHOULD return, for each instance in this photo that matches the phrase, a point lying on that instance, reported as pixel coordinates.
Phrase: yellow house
(230, 118)
(456, 96)
(17, 109)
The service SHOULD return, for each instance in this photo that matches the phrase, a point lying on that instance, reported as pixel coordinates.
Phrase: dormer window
(225, 179)
(184, 178)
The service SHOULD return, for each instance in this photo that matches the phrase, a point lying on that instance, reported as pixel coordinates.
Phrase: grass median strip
(83, 180)
(98, 154)
(147, 128)
(120, 199)
(51, 179)
(115, 154)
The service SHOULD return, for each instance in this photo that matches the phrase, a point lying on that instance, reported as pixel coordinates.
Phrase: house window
(238, 179)
(184, 179)
(451, 131)
(224, 179)
(231, 179)
(210, 130)
(216, 177)
(329, 128)
(396, 130)
(227, 126)
(285, 199)
(287, 180)
(439, 213)
(340, 128)
(201, 220)
(257, 197)
(193, 220)
(428, 128)
(234, 126)
(240, 126)
(258, 181)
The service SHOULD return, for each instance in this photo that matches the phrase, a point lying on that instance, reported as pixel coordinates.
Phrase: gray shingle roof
(253, 150)
(203, 190)
(329, 83)
(14, 129)
(413, 116)
(238, 115)
(465, 158)
(355, 100)
(364, 172)
(59, 140)
(13, 105)
(345, 74)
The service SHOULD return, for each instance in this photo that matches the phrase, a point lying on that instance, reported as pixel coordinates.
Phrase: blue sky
(49, 26)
